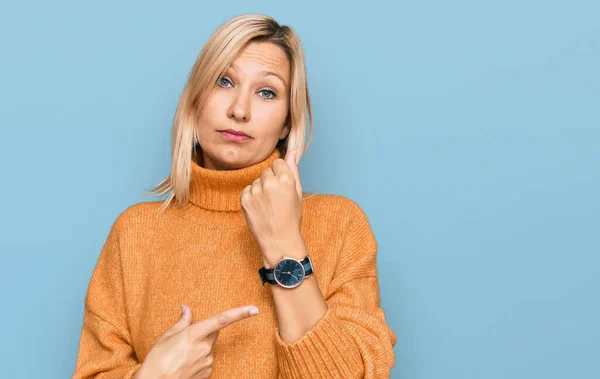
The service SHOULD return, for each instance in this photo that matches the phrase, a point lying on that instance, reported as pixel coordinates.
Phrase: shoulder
(139, 216)
(343, 219)
(338, 208)
(139, 211)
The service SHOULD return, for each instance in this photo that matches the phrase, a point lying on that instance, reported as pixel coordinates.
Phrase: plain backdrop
(468, 131)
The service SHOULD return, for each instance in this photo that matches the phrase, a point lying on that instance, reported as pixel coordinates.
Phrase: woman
(178, 284)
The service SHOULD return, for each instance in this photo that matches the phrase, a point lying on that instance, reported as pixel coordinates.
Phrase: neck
(220, 190)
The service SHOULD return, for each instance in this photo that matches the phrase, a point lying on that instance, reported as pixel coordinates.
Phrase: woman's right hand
(185, 350)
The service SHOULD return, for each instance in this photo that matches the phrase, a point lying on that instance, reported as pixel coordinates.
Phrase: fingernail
(182, 309)
(253, 311)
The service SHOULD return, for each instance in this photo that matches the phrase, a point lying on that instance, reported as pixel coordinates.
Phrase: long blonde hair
(219, 51)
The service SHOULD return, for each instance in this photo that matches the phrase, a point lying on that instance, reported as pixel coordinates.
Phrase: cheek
(271, 116)
(213, 112)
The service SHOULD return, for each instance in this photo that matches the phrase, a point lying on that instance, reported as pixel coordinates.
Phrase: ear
(285, 131)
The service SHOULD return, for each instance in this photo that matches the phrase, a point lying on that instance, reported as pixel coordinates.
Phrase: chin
(232, 158)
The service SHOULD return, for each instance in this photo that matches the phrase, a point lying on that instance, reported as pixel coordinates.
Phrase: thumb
(290, 159)
(184, 321)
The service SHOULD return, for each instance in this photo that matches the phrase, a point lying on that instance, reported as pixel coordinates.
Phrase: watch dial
(288, 272)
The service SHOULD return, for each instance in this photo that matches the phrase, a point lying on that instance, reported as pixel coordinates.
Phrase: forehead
(258, 57)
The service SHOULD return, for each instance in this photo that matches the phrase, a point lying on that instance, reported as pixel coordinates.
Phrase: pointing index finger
(221, 320)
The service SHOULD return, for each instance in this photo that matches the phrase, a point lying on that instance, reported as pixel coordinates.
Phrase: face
(252, 96)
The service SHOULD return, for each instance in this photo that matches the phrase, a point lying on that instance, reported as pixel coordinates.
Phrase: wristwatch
(288, 272)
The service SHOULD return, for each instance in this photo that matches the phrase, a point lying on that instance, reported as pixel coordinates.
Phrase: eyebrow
(263, 73)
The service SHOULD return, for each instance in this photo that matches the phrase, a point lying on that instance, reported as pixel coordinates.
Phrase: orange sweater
(203, 254)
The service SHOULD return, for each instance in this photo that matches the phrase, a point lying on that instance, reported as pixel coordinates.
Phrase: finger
(281, 167)
(266, 173)
(245, 194)
(256, 187)
(219, 321)
(184, 321)
(246, 190)
(290, 159)
(212, 337)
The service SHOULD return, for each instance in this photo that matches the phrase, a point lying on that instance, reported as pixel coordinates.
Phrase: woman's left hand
(272, 207)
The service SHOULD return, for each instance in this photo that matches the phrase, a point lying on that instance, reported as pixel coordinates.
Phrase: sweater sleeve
(352, 339)
(105, 346)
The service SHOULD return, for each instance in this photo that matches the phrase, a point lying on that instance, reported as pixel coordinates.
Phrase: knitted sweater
(203, 254)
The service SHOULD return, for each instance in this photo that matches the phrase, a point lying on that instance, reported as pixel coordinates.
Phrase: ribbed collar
(220, 190)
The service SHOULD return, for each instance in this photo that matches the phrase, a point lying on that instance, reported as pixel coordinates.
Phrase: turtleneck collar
(220, 190)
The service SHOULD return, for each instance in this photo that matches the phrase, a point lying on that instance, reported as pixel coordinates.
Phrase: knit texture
(204, 255)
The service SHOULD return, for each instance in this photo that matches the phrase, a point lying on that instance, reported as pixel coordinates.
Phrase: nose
(239, 109)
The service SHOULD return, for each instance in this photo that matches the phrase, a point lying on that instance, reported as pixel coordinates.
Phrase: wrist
(272, 253)
(144, 372)
(272, 259)
(139, 374)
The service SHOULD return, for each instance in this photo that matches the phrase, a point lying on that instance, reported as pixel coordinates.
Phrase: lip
(236, 132)
(234, 136)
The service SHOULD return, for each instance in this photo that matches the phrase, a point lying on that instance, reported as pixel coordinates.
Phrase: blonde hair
(216, 55)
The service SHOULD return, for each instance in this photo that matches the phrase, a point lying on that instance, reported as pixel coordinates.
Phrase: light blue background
(468, 131)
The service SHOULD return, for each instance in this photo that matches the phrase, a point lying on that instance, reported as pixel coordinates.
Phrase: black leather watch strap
(308, 267)
(267, 275)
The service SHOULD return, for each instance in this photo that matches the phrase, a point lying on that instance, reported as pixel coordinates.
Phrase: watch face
(288, 273)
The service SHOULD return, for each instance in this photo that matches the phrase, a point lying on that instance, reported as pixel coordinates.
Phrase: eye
(271, 96)
(220, 81)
